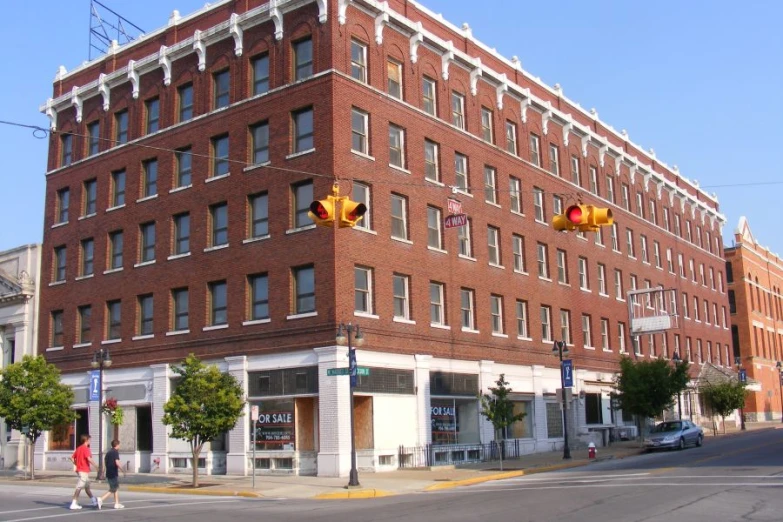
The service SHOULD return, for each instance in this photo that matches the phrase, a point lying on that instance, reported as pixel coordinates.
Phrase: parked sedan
(674, 434)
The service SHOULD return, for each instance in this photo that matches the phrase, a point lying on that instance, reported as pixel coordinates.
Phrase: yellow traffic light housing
(351, 212)
(599, 217)
(322, 211)
(585, 218)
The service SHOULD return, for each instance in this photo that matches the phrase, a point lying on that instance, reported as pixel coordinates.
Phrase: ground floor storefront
(304, 414)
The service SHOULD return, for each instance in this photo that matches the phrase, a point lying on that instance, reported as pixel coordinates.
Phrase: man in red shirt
(82, 460)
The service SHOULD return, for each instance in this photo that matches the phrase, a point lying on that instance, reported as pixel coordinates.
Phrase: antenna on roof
(106, 26)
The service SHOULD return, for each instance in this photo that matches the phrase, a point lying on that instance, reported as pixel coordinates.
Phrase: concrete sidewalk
(403, 481)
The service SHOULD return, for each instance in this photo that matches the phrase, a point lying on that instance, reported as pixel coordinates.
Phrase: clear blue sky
(700, 81)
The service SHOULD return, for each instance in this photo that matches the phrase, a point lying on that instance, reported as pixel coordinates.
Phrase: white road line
(576, 477)
(582, 486)
(110, 510)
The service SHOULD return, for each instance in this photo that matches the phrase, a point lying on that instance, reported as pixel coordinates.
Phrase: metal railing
(453, 454)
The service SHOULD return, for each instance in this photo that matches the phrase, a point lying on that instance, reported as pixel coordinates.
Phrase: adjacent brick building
(179, 178)
(755, 278)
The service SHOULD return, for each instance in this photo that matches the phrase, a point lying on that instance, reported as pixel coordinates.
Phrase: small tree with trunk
(33, 399)
(499, 410)
(205, 403)
(723, 398)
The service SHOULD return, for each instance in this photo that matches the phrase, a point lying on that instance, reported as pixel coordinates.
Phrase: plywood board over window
(305, 423)
(363, 425)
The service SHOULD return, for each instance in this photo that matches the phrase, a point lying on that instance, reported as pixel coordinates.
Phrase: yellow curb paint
(476, 480)
(203, 492)
(359, 493)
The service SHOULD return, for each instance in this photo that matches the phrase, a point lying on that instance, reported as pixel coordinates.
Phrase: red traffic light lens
(318, 209)
(574, 214)
(357, 212)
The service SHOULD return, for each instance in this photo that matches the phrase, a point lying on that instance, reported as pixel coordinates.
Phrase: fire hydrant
(591, 450)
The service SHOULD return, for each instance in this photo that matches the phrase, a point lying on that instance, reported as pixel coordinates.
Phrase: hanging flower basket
(113, 410)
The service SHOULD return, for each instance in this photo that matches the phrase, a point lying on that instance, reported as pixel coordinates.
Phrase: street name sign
(331, 372)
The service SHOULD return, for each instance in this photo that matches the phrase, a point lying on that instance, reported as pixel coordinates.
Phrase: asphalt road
(738, 478)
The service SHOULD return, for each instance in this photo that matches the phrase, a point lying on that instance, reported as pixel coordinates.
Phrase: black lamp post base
(353, 480)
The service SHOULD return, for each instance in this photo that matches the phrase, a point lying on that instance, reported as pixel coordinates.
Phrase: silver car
(674, 434)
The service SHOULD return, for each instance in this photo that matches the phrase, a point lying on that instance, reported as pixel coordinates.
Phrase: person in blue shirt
(113, 467)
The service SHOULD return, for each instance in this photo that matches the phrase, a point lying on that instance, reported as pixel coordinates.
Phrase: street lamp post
(779, 366)
(676, 359)
(352, 331)
(100, 359)
(559, 349)
(738, 362)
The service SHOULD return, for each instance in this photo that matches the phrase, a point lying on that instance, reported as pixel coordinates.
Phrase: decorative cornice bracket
(416, 40)
(277, 18)
(501, 89)
(567, 128)
(602, 154)
(342, 7)
(76, 101)
(448, 56)
(133, 76)
(165, 62)
(236, 31)
(545, 117)
(201, 50)
(103, 88)
(474, 75)
(646, 178)
(380, 22)
(51, 113)
(525, 103)
(659, 189)
(632, 170)
(585, 142)
(323, 11)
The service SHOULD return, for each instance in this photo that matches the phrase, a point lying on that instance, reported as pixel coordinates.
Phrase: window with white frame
(645, 254)
(653, 215)
(610, 188)
(464, 239)
(496, 313)
(618, 284)
(562, 267)
(587, 334)
(602, 279)
(565, 326)
(543, 261)
(487, 130)
(401, 290)
(677, 225)
(584, 281)
(639, 204)
(431, 161)
(394, 76)
(657, 254)
(493, 245)
(666, 222)
(554, 159)
(535, 150)
(437, 299)
(576, 178)
(434, 232)
(557, 205)
(594, 180)
(626, 197)
(522, 329)
(712, 278)
(669, 262)
(467, 301)
(361, 194)
(359, 60)
(490, 185)
(359, 131)
(458, 110)
(538, 204)
(518, 250)
(621, 337)
(685, 308)
(546, 323)
(515, 187)
(396, 146)
(692, 269)
(688, 232)
(615, 240)
(629, 242)
(429, 95)
(701, 275)
(511, 137)
(605, 334)
(363, 299)
(461, 172)
(696, 309)
(598, 237)
(399, 216)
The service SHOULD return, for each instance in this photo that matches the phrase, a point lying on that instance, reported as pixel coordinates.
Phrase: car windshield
(668, 426)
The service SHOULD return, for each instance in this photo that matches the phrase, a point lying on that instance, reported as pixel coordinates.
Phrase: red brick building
(755, 277)
(179, 178)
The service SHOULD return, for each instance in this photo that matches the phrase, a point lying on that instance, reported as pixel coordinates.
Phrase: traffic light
(599, 217)
(585, 218)
(351, 212)
(322, 212)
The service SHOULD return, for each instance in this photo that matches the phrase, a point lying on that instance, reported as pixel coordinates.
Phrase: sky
(699, 81)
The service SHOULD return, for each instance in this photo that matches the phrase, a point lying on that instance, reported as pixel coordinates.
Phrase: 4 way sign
(331, 372)
(456, 221)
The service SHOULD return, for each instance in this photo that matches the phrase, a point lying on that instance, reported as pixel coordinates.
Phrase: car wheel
(682, 444)
(699, 440)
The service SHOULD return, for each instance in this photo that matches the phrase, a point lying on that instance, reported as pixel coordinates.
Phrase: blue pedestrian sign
(568, 373)
(352, 367)
(95, 380)
(743, 375)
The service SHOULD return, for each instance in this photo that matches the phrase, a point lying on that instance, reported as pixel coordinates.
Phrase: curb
(202, 492)
(359, 493)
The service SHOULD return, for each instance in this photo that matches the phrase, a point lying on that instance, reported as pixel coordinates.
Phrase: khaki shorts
(83, 481)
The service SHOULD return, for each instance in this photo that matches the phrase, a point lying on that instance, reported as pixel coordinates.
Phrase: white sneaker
(100, 503)
(119, 506)
(75, 505)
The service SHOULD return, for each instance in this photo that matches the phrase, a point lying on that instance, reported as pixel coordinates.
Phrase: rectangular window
(57, 329)
(150, 185)
(639, 205)
(584, 280)
(629, 242)
(117, 188)
(511, 138)
(657, 254)
(429, 95)
(490, 185)
(220, 165)
(487, 127)
(557, 205)
(93, 138)
(399, 216)
(594, 180)
(218, 303)
(90, 197)
(180, 307)
(218, 218)
(518, 248)
(304, 289)
(626, 197)
(258, 286)
(303, 130)
(677, 225)
(464, 238)
(85, 325)
(394, 72)
(260, 74)
(621, 337)
(554, 159)
(359, 130)
(185, 97)
(431, 161)
(653, 214)
(396, 146)
(562, 267)
(60, 259)
(152, 108)
(535, 150)
(363, 290)
(645, 254)
(669, 261)
(493, 245)
(546, 323)
(587, 335)
(303, 59)
(258, 206)
(121, 127)
(610, 188)
(681, 263)
(458, 110)
(605, 334)
(522, 329)
(576, 177)
(63, 205)
(434, 233)
(401, 290)
(496, 313)
(184, 162)
(618, 285)
(467, 301)
(461, 172)
(543, 261)
(88, 256)
(602, 279)
(538, 204)
(437, 298)
(145, 326)
(515, 188)
(115, 250)
(615, 240)
(666, 221)
(565, 326)
(302, 196)
(361, 194)
(181, 234)
(147, 242)
(113, 320)
(259, 134)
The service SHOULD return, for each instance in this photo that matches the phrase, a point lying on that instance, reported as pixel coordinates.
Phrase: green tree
(647, 388)
(499, 410)
(723, 398)
(33, 398)
(205, 403)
